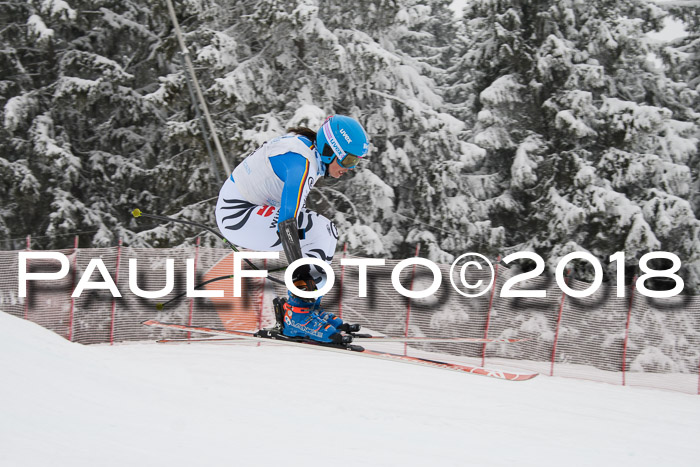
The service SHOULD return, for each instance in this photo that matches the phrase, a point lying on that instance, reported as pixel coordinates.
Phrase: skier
(261, 207)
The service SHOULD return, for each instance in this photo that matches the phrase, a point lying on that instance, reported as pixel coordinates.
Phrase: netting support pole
(262, 296)
(198, 90)
(191, 313)
(699, 379)
(200, 119)
(408, 306)
(627, 331)
(71, 313)
(114, 299)
(26, 299)
(342, 276)
(556, 333)
(488, 313)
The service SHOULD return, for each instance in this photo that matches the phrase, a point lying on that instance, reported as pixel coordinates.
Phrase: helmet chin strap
(328, 168)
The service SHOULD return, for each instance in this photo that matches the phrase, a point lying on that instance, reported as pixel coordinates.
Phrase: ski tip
(148, 322)
(136, 212)
(159, 306)
(523, 377)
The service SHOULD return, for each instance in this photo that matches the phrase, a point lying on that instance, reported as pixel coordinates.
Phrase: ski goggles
(350, 161)
(345, 159)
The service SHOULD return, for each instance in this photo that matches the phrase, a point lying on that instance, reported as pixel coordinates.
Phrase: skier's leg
(320, 240)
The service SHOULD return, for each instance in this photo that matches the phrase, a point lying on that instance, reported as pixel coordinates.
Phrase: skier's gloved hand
(303, 281)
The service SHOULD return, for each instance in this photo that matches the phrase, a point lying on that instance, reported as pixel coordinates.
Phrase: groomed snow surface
(64, 404)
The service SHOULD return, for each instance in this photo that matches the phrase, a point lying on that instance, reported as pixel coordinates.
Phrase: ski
(385, 339)
(194, 339)
(474, 370)
(369, 338)
(255, 336)
(413, 339)
(355, 350)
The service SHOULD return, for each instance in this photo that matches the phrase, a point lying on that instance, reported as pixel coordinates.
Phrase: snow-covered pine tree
(408, 191)
(589, 135)
(293, 63)
(82, 142)
(189, 177)
(682, 59)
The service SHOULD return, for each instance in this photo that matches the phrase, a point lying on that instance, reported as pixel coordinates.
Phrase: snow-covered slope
(64, 404)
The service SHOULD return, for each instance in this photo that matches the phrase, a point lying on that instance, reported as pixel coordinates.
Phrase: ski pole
(137, 213)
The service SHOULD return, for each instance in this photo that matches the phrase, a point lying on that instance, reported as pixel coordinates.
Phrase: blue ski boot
(300, 320)
(333, 320)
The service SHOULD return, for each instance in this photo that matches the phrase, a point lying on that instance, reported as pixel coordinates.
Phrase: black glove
(303, 281)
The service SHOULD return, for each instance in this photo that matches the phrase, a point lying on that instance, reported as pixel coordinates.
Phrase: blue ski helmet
(342, 137)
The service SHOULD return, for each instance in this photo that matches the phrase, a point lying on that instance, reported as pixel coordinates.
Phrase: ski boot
(301, 321)
(278, 307)
(333, 320)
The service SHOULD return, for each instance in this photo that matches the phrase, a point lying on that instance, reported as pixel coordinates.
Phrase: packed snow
(64, 404)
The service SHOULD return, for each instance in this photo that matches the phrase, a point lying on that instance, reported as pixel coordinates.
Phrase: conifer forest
(550, 126)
